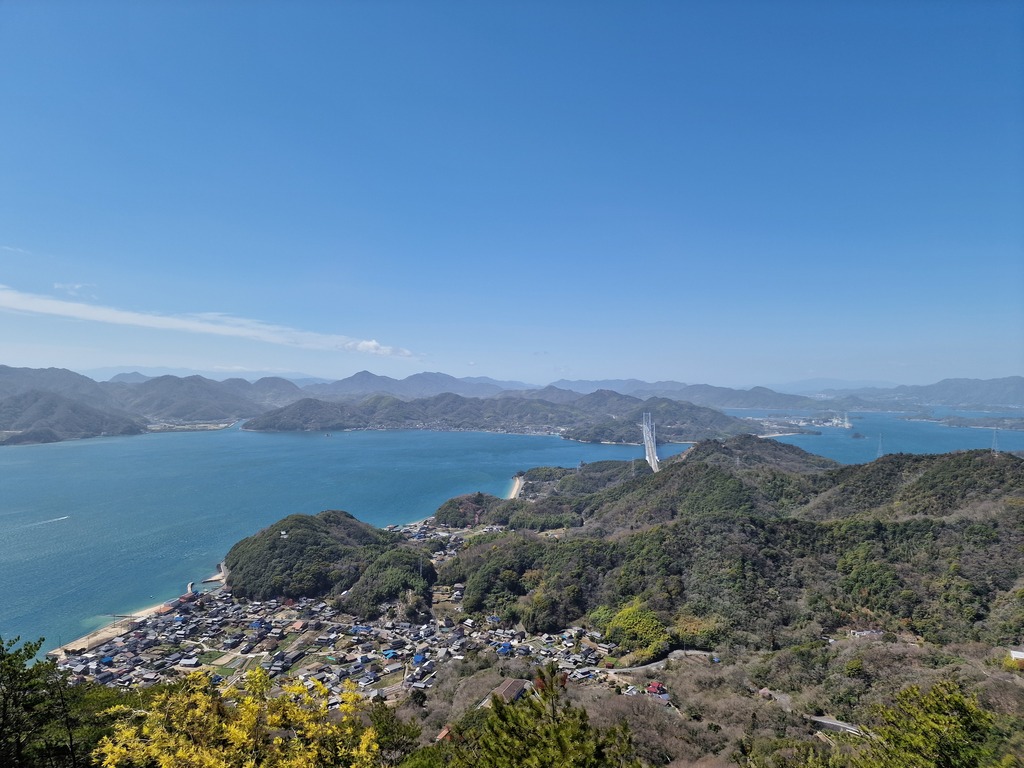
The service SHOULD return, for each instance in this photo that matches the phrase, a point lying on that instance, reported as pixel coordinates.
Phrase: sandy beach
(517, 487)
(221, 576)
(109, 631)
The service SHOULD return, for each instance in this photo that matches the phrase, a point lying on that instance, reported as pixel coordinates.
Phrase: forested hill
(47, 417)
(327, 555)
(597, 411)
(749, 542)
(598, 417)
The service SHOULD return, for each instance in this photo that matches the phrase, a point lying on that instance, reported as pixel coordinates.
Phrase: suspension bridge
(650, 445)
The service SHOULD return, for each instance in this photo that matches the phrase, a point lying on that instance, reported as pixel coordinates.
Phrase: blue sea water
(107, 526)
(884, 433)
(93, 528)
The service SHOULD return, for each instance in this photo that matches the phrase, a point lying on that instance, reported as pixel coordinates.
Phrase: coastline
(518, 483)
(108, 632)
(123, 622)
(199, 426)
(220, 577)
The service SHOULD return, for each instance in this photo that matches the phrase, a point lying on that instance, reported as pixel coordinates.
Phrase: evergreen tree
(396, 738)
(44, 721)
(942, 728)
(25, 707)
(541, 730)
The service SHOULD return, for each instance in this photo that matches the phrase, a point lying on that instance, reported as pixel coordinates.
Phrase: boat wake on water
(44, 522)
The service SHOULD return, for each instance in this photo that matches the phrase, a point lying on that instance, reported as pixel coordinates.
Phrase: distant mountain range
(45, 405)
(964, 393)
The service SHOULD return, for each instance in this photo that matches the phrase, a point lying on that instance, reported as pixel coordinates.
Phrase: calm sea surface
(894, 433)
(106, 526)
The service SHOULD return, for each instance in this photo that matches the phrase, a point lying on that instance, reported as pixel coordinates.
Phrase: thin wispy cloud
(214, 324)
(78, 290)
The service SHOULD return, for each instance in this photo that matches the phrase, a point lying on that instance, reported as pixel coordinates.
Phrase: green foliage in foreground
(191, 726)
(541, 730)
(47, 723)
(43, 720)
(938, 729)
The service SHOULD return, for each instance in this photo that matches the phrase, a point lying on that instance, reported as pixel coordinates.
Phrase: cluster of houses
(229, 637)
(425, 530)
(308, 639)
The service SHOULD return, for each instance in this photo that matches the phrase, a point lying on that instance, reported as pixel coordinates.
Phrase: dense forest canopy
(769, 545)
(746, 540)
(329, 554)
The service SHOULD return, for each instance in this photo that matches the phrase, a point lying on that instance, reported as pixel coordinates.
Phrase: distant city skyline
(732, 193)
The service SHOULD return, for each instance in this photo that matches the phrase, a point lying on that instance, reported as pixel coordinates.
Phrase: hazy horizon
(731, 193)
(803, 385)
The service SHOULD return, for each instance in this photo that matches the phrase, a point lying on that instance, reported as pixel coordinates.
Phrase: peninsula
(748, 583)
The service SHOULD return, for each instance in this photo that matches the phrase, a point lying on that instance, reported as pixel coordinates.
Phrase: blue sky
(722, 192)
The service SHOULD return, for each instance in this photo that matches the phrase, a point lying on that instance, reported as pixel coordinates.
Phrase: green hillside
(927, 545)
(601, 416)
(326, 555)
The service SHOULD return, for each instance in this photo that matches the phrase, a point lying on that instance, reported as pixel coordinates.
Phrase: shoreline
(123, 623)
(518, 483)
(220, 577)
(108, 632)
(199, 426)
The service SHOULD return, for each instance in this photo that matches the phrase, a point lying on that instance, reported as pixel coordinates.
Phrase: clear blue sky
(723, 192)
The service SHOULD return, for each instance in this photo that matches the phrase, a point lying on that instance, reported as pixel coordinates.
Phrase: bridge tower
(650, 445)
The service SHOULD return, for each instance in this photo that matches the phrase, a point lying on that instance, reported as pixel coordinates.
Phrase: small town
(307, 639)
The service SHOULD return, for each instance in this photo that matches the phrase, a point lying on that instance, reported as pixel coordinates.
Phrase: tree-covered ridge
(547, 501)
(750, 538)
(900, 485)
(747, 474)
(676, 422)
(473, 509)
(925, 544)
(47, 417)
(598, 417)
(326, 555)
